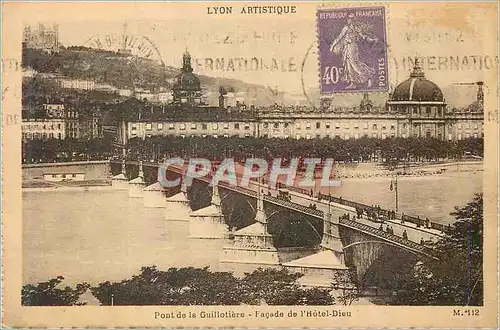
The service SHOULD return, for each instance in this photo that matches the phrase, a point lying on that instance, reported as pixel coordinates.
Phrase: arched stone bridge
(357, 240)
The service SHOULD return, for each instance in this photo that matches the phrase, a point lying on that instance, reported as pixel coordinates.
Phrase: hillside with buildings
(85, 68)
(85, 93)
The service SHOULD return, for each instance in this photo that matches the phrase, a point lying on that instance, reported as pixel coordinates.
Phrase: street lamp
(396, 189)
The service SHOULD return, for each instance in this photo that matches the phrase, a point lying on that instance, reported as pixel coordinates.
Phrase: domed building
(187, 86)
(423, 104)
(415, 109)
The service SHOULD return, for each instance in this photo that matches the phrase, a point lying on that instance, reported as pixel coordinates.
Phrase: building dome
(417, 88)
(187, 80)
(187, 86)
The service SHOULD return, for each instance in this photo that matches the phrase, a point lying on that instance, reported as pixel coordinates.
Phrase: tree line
(65, 150)
(185, 286)
(353, 150)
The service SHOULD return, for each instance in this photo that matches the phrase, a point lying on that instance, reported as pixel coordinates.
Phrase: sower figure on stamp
(355, 72)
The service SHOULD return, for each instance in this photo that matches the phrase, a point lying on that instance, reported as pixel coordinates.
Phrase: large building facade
(54, 122)
(416, 108)
(57, 121)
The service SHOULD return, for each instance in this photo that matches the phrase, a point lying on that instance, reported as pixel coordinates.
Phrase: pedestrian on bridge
(405, 234)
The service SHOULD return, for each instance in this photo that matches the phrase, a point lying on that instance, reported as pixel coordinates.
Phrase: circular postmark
(133, 49)
(140, 46)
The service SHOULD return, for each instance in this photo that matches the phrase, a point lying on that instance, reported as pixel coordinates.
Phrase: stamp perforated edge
(338, 5)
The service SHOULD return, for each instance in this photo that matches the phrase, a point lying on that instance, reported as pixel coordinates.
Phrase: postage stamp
(179, 165)
(352, 50)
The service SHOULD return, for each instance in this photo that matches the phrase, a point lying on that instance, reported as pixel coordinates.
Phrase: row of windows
(193, 126)
(346, 136)
(459, 126)
(276, 125)
(467, 135)
(298, 126)
(428, 111)
(215, 126)
(30, 136)
(346, 125)
(203, 135)
(40, 126)
(337, 135)
(64, 176)
(467, 125)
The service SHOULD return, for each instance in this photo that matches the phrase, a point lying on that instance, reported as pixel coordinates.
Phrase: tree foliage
(457, 277)
(346, 287)
(185, 286)
(69, 149)
(354, 150)
(48, 293)
(99, 65)
(195, 286)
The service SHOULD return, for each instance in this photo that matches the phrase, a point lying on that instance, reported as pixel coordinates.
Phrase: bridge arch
(370, 242)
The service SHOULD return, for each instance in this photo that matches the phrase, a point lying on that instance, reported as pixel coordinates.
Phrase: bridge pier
(319, 269)
(177, 206)
(136, 186)
(208, 222)
(253, 244)
(331, 236)
(154, 196)
(120, 181)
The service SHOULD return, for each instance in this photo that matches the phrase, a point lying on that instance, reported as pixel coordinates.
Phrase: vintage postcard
(250, 165)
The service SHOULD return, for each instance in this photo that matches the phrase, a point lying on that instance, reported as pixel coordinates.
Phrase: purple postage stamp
(352, 50)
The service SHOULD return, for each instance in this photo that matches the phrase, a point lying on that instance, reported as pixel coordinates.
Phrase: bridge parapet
(294, 206)
(242, 190)
(359, 206)
(394, 239)
(275, 200)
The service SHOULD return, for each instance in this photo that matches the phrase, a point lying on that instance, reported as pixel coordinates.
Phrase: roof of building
(191, 113)
(417, 88)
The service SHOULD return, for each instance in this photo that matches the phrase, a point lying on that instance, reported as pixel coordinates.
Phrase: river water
(95, 236)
